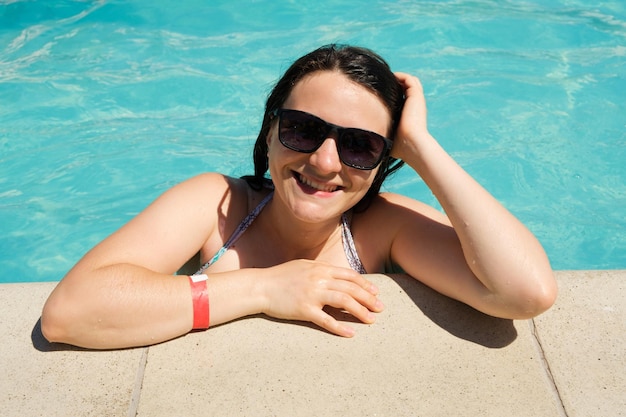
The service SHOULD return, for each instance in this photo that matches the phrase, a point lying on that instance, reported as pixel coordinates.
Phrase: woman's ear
(270, 134)
(268, 139)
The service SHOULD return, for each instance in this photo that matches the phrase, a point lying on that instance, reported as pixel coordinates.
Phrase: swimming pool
(105, 104)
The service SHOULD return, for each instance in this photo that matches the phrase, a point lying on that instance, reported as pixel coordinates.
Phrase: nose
(326, 157)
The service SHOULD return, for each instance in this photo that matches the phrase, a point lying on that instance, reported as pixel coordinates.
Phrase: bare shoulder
(223, 195)
(208, 190)
(173, 227)
(210, 183)
(395, 208)
(393, 218)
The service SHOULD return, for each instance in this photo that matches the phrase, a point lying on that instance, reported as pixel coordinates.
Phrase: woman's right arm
(124, 292)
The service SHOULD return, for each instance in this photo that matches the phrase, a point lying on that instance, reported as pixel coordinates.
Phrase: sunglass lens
(361, 149)
(300, 131)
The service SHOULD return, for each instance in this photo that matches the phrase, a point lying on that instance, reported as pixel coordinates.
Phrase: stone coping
(426, 355)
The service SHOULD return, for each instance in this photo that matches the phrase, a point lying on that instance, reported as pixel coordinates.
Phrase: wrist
(236, 294)
(200, 301)
(425, 153)
(261, 290)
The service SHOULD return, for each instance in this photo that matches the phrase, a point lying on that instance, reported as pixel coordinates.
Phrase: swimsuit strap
(240, 230)
(346, 238)
(349, 247)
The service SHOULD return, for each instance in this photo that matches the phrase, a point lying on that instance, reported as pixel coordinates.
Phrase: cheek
(364, 179)
(275, 150)
(277, 155)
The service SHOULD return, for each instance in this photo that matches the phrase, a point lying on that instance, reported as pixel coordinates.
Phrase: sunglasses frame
(340, 130)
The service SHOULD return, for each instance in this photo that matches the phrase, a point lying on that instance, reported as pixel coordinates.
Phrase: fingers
(356, 278)
(299, 290)
(413, 89)
(341, 301)
(327, 322)
(409, 81)
(412, 128)
(348, 295)
(353, 297)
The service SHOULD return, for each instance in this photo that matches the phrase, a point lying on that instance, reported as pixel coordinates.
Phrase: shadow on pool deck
(425, 355)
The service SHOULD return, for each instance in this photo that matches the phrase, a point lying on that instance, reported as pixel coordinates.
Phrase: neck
(299, 239)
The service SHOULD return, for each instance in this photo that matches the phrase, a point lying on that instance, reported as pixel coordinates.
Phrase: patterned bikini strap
(240, 230)
(349, 247)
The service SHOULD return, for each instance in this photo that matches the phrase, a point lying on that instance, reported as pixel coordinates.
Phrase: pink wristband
(200, 297)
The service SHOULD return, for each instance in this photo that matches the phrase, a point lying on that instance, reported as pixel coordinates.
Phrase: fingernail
(348, 331)
(373, 289)
(379, 305)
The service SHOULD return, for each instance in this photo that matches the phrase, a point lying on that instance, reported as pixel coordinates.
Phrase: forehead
(338, 100)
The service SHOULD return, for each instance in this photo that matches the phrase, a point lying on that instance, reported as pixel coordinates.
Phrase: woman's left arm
(491, 261)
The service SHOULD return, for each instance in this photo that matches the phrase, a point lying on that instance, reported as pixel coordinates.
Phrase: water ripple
(105, 104)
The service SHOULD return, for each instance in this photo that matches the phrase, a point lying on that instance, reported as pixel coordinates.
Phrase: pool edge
(585, 327)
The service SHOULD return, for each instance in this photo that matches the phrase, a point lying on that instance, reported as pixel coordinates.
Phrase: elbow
(537, 299)
(550, 296)
(51, 332)
(540, 303)
(51, 329)
(545, 294)
(54, 324)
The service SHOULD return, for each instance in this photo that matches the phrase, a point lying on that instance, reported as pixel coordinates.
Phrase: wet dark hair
(361, 66)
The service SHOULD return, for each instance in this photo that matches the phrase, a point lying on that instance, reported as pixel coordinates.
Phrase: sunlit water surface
(106, 104)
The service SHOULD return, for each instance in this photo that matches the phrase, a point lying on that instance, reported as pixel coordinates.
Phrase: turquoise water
(105, 104)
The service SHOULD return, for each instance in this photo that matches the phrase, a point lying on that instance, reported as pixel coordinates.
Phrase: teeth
(316, 185)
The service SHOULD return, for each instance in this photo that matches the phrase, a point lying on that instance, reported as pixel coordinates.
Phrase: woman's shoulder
(389, 216)
(212, 185)
(225, 193)
(213, 181)
(207, 190)
(397, 208)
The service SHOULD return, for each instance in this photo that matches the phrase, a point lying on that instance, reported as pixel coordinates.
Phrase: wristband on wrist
(200, 299)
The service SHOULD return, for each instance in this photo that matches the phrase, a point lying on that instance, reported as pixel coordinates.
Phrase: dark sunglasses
(304, 132)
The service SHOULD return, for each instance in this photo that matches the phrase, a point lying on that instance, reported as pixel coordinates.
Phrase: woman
(336, 124)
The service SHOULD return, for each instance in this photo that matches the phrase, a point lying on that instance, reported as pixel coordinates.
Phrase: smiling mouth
(315, 185)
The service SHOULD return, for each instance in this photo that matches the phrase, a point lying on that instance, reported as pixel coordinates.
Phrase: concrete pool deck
(426, 355)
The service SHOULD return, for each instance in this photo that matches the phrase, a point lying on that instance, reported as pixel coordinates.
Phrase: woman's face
(318, 186)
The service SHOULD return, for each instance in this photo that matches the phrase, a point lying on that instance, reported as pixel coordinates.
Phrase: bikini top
(346, 238)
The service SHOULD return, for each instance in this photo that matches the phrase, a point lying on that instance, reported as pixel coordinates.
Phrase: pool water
(106, 104)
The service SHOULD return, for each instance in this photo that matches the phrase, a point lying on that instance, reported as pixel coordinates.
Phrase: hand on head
(413, 122)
